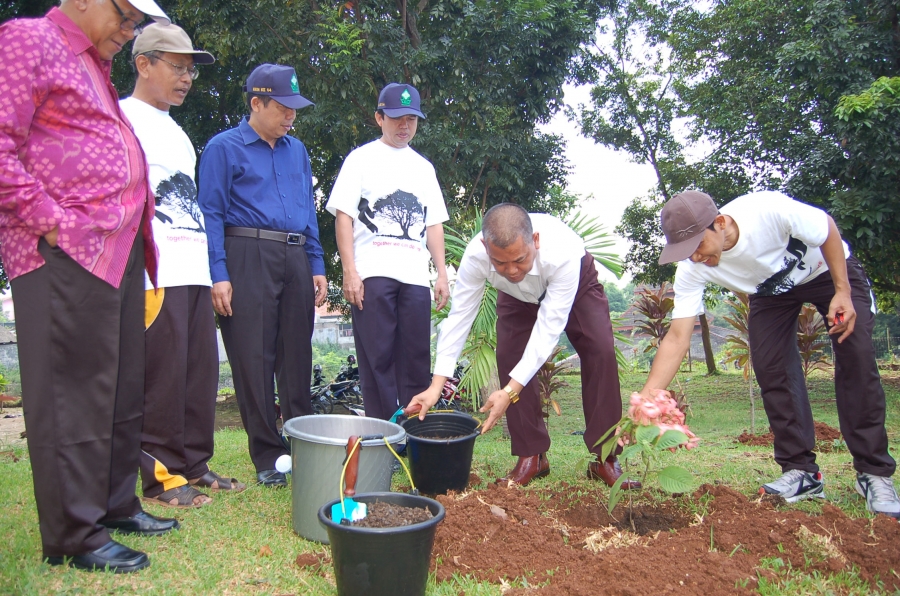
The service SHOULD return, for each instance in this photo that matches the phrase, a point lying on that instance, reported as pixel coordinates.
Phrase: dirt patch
(824, 433)
(12, 426)
(709, 542)
(227, 413)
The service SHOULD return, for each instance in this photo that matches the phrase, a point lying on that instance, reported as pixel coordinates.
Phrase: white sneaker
(879, 493)
(796, 485)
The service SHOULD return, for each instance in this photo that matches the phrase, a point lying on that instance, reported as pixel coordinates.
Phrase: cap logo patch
(405, 97)
(295, 87)
(686, 231)
(263, 89)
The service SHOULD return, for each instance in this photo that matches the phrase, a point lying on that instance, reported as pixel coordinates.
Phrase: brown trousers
(181, 380)
(857, 384)
(590, 331)
(81, 354)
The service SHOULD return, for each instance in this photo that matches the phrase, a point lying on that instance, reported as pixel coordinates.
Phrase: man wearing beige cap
(784, 254)
(181, 376)
(75, 238)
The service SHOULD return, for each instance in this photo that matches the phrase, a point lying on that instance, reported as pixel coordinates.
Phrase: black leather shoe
(118, 557)
(143, 523)
(271, 478)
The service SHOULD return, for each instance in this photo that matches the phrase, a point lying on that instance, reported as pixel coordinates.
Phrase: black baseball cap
(278, 82)
(400, 99)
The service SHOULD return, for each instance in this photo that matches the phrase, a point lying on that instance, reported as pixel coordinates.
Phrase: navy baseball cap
(400, 99)
(278, 82)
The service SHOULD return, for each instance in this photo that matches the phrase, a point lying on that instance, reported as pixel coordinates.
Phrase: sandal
(213, 481)
(184, 497)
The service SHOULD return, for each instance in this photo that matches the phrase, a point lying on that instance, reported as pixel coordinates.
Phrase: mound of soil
(571, 544)
(824, 432)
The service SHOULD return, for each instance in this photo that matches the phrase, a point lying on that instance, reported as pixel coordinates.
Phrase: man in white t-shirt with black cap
(784, 253)
(181, 351)
(390, 214)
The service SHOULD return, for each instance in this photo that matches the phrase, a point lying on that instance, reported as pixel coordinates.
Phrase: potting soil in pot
(388, 515)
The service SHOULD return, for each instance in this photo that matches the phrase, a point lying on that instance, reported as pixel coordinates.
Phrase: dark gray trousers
(81, 355)
(857, 384)
(268, 336)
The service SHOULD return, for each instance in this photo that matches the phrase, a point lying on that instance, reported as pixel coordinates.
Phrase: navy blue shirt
(244, 182)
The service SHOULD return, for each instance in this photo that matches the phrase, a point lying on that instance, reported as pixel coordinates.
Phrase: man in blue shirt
(265, 258)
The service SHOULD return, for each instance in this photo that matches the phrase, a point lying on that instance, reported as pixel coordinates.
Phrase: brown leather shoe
(526, 470)
(609, 471)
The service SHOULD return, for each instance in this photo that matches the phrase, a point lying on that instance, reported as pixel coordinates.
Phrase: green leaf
(615, 493)
(671, 438)
(630, 451)
(674, 479)
(646, 433)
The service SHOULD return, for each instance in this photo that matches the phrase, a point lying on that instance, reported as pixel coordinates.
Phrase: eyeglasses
(128, 24)
(180, 69)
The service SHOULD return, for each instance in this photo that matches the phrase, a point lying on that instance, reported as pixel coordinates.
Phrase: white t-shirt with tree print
(393, 196)
(777, 249)
(178, 224)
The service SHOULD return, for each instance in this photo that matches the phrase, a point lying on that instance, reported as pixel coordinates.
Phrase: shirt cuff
(444, 366)
(44, 216)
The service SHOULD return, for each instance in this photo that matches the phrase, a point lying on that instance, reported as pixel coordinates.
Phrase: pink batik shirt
(68, 155)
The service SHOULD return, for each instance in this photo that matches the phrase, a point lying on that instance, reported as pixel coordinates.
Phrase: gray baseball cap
(684, 220)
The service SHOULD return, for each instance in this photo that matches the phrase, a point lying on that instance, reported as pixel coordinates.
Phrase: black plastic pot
(382, 561)
(437, 462)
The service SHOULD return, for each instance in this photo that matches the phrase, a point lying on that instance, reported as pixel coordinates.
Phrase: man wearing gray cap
(182, 371)
(784, 253)
(75, 238)
(266, 262)
(390, 211)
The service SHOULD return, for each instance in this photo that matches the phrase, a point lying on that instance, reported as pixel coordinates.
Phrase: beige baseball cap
(168, 38)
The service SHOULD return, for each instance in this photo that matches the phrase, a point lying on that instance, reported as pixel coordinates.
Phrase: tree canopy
(759, 85)
(488, 73)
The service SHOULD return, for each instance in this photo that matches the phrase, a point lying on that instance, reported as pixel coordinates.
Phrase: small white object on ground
(283, 464)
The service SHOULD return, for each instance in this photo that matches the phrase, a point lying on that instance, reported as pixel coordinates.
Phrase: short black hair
(265, 99)
(503, 224)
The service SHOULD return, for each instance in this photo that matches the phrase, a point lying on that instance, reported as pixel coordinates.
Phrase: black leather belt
(286, 237)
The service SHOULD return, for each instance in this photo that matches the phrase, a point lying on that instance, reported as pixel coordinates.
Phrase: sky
(605, 179)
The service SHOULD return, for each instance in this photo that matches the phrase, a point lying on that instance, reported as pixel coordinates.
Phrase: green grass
(223, 548)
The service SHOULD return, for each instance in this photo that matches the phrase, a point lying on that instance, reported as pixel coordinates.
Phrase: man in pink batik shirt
(75, 238)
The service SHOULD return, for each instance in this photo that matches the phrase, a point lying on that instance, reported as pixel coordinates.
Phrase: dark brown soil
(709, 542)
(824, 433)
(389, 515)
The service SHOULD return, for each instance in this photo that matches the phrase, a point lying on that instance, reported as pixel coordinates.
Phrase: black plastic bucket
(382, 561)
(440, 450)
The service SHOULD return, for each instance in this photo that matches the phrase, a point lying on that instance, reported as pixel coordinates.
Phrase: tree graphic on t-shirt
(781, 282)
(179, 193)
(403, 208)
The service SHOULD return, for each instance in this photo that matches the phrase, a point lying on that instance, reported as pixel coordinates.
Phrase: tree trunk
(707, 346)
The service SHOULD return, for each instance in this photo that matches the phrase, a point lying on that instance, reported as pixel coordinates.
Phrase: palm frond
(596, 240)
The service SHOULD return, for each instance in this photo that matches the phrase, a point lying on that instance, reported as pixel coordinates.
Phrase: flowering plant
(651, 425)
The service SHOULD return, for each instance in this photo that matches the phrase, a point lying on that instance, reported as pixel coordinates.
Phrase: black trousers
(857, 384)
(181, 380)
(268, 337)
(590, 331)
(393, 344)
(81, 355)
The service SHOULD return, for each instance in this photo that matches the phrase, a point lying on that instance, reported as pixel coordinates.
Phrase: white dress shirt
(552, 283)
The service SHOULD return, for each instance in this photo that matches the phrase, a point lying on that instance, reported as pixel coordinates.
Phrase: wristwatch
(513, 394)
